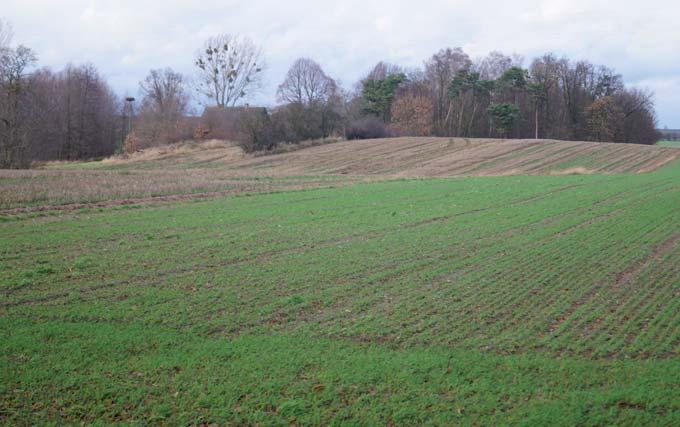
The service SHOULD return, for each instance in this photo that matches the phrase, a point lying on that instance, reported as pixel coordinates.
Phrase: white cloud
(125, 38)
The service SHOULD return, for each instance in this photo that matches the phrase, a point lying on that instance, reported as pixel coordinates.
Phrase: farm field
(675, 144)
(370, 298)
(215, 169)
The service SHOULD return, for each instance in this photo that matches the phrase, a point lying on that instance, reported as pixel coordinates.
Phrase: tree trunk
(448, 113)
(472, 118)
(536, 122)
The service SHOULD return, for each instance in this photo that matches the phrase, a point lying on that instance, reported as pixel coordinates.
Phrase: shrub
(366, 128)
(151, 130)
(201, 132)
(257, 132)
(132, 143)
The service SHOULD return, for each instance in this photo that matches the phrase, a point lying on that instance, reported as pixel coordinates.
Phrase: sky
(124, 39)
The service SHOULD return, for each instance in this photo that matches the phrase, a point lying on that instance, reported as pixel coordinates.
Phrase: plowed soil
(425, 157)
(199, 170)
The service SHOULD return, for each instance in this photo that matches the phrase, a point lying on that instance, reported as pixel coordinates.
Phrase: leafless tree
(164, 91)
(14, 105)
(73, 114)
(89, 113)
(314, 104)
(416, 83)
(439, 71)
(229, 69)
(383, 69)
(634, 100)
(306, 84)
(379, 71)
(495, 64)
(164, 103)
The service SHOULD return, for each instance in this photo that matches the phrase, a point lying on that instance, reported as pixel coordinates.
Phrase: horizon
(124, 41)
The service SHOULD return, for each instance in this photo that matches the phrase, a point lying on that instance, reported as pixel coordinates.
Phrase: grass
(135, 372)
(675, 144)
(487, 300)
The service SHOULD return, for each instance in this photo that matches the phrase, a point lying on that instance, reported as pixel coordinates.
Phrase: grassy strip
(67, 372)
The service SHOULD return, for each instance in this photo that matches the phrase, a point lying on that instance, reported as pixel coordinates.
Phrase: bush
(201, 132)
(297, 123)
(366, 128)
(132, 143)
(152, 130)
(288, 124)
(257, 131)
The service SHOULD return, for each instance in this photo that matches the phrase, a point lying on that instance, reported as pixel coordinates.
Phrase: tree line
(47, 115)
(453, 95)
(74, 114)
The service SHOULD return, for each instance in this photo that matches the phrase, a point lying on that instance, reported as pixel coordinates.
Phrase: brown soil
(214, 168)
(425, 157)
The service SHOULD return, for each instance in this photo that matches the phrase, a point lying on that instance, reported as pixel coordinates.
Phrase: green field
(535, 300)
(669, 144)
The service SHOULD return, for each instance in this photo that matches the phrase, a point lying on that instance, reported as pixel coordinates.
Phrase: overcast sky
(124, 39)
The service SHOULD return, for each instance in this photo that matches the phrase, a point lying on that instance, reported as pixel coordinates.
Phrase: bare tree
(495, 64)
(88, 113)
(382, 69)
(14, 107)
(440, 70)
(164, 104)
(73, 114)
(638, 121)
(634, 100)
(46, 115)
(314, 103)
(164, 93)
(306, 84)
(229, 68)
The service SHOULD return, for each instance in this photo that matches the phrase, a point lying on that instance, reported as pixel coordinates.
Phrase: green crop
(489, 300)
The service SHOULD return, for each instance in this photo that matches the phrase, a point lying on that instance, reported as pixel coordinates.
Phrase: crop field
(675, 144)
(214, 168)
(431, 157)
(481, 300)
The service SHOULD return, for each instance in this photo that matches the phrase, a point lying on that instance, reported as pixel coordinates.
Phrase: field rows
(411, 157)
(407, 262)
(481, 300)
(214, 169)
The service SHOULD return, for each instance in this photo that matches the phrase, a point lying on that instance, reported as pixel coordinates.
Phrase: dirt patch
(573, 171)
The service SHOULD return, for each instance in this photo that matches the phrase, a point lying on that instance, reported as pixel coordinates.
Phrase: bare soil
(215, 168)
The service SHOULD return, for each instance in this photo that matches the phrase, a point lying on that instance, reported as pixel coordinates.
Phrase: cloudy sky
(124, 39)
